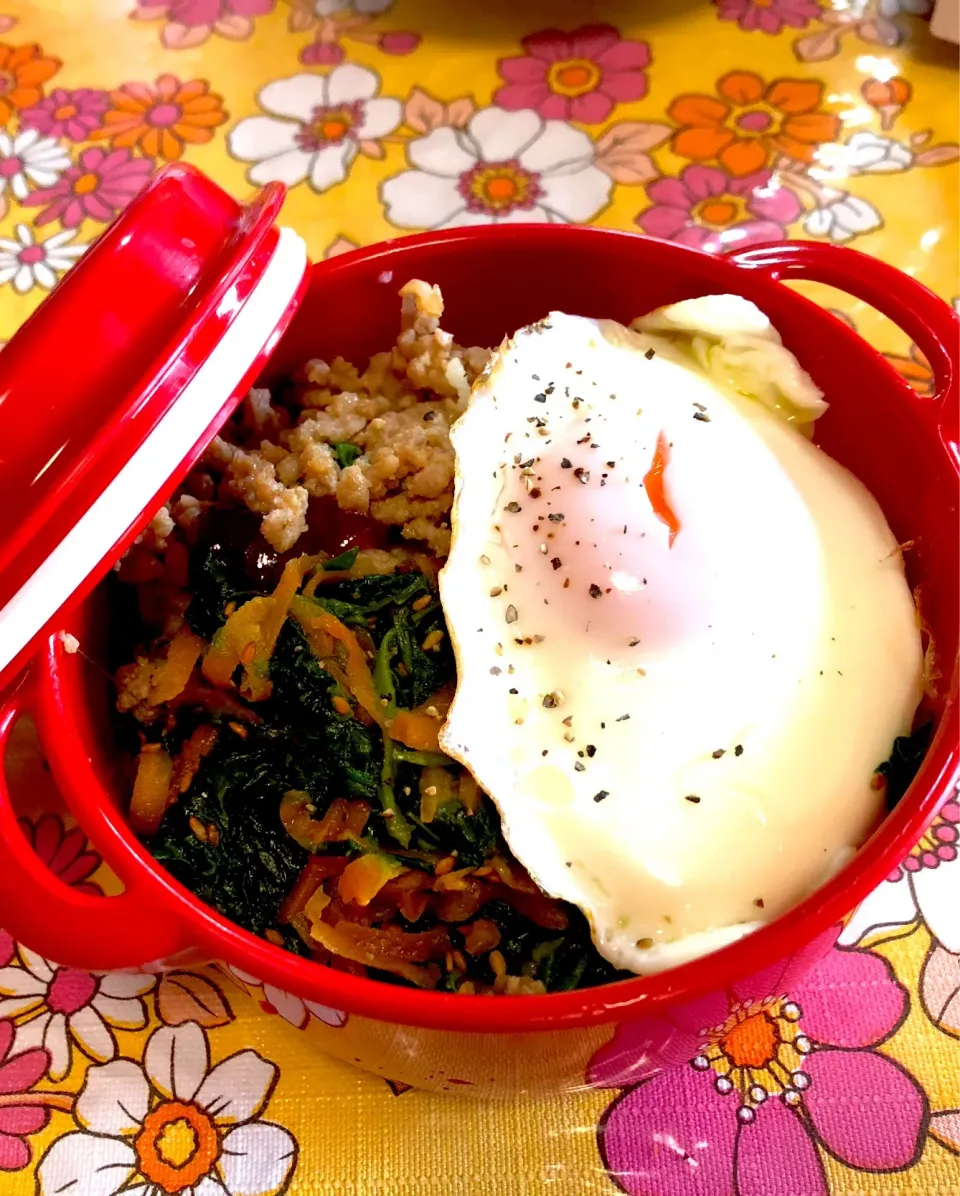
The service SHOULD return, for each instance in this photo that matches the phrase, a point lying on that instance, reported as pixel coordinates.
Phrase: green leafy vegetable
(904, 762)
(346, 453)
(246, 869)
(346, 560)
(213, 584)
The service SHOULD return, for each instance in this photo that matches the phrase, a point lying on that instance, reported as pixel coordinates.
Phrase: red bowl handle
(63, 924)
(930, 323)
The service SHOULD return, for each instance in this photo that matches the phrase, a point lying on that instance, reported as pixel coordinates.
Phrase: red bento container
(89, 380)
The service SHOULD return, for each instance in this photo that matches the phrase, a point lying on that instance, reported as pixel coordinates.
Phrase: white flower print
(173, 1125)
(318, 125)
(843, 218)
(30, 160)
(926, 884)
(503, 168)
(893, 8)
(292, 1008)
(30, 263)
(868, 153)
(69, 1005)
(326, 8)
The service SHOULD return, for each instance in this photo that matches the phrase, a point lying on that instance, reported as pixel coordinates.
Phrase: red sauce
(653, 482)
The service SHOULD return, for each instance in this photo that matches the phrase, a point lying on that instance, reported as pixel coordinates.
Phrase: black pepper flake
(527, 464)
(595, 591)
(566, 463)
(428, 416)
(611, 464)
(579, 766)
(518, 568)
(556, 562)
(693, 798)
(702, 416)
(602, 795)
(719, 752)
(513, 507)
(634, 642)
(541, 398)
(582, 475)
(623, 718)
(549, 702)
(738, 750)
(557, 518)
(591, 750)
(650, 353)
(511, 615)
(514, 691)
(758, 902)
(535, 492)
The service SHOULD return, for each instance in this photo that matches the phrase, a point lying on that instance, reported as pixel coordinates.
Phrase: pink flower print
(937, 846)
(59, 1007)
(101, 184)
(710, 210)
(924, 885)
(768, 16)
(66, 853)
(69, 114)
(8, 948)
(190, 22)
(758, 1092)
(579, 76)
(18, 1074)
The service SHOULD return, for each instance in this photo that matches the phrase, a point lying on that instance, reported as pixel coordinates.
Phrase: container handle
(930, 323)
(64, 924)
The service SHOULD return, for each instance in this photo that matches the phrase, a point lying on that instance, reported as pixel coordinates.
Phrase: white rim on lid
(107, 518)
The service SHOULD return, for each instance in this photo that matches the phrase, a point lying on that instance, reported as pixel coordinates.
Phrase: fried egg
(684, 637)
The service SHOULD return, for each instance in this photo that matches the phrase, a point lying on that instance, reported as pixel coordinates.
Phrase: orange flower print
(751, 120)
(915, 369)
(23, 71)
(161, 120)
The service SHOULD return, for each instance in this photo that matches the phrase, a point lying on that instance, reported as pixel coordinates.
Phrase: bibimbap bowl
(903, 447)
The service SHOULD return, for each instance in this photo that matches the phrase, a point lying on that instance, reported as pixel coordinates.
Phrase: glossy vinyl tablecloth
(713, 125)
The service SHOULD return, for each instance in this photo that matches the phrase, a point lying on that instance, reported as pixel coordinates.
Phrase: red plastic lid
(111, 390)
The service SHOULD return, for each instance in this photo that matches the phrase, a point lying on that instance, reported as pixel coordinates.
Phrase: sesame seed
(511, 615)
(496, 591)
(719, 752)
(579, 766)
(701, 416)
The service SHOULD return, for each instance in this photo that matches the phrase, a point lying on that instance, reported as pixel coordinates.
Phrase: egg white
(679, 728)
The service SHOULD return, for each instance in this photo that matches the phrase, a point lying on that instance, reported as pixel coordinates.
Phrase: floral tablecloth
(712, 125)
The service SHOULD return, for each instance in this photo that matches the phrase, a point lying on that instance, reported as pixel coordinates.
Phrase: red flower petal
(625, 56)
(21, 1072)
